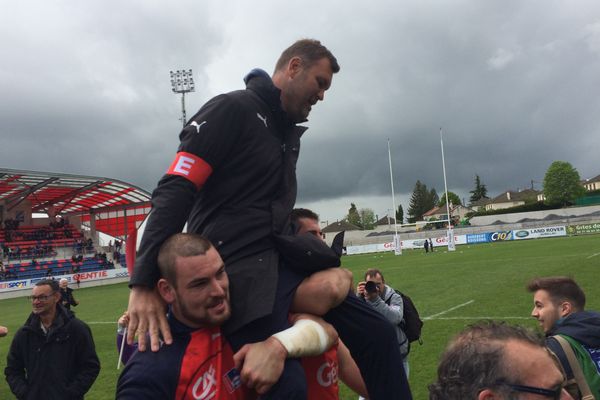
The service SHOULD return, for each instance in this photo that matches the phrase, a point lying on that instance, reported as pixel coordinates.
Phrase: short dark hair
(373, 272)
(49, 282)
(180, 245)
(298, 213)
(475, 360)
(310, 51)
(560, 288)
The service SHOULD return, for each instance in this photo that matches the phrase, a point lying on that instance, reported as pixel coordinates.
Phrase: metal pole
(183, 118)
(397, 244)
(451, 246)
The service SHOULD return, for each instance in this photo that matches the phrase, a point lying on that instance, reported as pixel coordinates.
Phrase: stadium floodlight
(182, 81)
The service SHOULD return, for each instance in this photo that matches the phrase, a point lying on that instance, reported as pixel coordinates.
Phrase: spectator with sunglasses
(492, 360)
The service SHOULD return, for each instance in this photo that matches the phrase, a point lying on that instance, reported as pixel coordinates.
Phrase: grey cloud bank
(85, 89)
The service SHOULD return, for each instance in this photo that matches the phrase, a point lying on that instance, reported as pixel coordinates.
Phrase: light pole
(182, 82)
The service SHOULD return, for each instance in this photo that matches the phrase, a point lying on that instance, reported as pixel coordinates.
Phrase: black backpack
(411, 323)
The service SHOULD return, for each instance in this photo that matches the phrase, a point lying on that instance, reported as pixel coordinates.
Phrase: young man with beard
(559, 307)
(200, 363)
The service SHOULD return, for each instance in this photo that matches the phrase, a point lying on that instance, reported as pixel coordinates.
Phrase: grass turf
(486, 281)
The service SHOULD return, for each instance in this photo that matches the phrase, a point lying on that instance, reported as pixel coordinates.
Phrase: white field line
(448, 310)
(594, 255)
(100, 322)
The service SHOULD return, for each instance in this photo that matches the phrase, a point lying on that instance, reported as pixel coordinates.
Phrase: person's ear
(294, 66)
(487, 394)
(565, 309)
(166, 290)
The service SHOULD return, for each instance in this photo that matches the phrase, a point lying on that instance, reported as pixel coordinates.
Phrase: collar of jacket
(583, 326)
(387, 292)
(261, 83)
(60, 319)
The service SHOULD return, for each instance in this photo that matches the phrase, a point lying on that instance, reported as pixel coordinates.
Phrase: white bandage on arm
(305, 338)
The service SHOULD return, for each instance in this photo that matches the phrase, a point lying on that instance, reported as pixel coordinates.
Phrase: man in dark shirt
(233, 180)
(66, 294)
(52, 356)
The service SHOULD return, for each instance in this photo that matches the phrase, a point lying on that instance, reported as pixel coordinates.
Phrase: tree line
(561, 187)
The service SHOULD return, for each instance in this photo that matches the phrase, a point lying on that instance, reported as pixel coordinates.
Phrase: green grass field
(451, 290)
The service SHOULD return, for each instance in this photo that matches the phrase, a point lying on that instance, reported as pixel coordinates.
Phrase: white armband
(305, 338)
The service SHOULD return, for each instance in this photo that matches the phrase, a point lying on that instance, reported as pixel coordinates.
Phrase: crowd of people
(16, 256)
(253, 302)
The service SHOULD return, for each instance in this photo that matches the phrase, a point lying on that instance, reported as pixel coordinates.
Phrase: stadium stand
(75, 210)
(30, 252)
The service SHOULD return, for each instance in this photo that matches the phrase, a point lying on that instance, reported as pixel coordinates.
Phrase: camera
(371, 287)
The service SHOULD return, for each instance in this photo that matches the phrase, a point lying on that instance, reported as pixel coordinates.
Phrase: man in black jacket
(53, 355)
(233, 180)
(66, 294)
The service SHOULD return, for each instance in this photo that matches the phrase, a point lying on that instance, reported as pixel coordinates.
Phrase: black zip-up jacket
(60, 365)
(252, 148)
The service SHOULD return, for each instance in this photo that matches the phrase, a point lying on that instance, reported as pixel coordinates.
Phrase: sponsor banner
(404, 245)
(583, 229)
(501, 236)
(72, 278)
(489, 237)
(13, 285)
(369, 248)
(478, 238)
(443, 240)
(537, 233)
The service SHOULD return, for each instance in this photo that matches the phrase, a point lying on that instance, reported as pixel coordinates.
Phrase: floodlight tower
(182, 81)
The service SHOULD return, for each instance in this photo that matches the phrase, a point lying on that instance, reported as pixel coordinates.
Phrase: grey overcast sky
(515, 85)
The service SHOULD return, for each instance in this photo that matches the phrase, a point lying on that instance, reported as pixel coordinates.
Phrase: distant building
(592, 183)
(386, 220)
(440, 213)
(480, 204)
(340, 226)
(512, 199)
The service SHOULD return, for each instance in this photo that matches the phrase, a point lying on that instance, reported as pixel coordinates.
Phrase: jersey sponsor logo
(327, 374)
(205, 387)
(197, 125)
(263, 119)
(232, 380)
(191, 167)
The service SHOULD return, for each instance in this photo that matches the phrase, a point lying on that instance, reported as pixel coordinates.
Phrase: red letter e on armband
(191, 167)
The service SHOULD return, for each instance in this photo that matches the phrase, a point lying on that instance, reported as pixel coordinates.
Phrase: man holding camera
(384, 299)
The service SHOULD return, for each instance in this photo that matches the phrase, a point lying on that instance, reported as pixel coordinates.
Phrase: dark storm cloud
(85, 88)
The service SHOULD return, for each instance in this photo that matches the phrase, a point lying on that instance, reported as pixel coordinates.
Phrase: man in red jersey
(200, 363)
